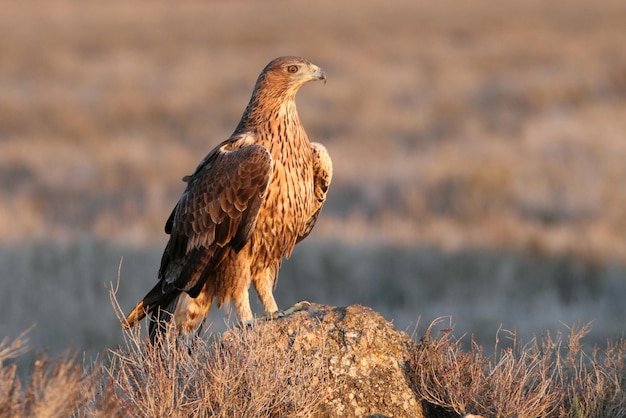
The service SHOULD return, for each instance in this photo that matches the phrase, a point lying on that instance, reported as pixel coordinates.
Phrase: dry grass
(543, 378)
(245, 377)
(242, 376)
(54, 388)
(243, 373)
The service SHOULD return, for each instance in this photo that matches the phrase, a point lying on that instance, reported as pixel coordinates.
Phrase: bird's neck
(268, 108)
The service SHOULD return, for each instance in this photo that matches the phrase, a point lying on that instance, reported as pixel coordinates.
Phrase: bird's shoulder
(224, 183)
(238, 149)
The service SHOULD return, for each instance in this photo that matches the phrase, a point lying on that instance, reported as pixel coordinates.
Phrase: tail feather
(160, 316)
(158, 306)
(137, 314)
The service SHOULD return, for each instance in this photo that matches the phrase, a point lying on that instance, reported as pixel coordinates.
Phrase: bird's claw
(270, 316)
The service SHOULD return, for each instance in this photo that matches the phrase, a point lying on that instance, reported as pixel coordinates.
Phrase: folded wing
(216, 213)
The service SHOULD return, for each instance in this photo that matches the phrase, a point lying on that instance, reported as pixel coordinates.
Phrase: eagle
(247, 204)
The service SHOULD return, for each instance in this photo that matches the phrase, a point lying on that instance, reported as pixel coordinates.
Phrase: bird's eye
(292, 69)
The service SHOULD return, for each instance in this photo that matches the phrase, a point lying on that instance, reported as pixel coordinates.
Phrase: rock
(363, 358)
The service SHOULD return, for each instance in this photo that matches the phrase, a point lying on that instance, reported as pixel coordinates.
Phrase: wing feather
(322, 176)
(219, 208)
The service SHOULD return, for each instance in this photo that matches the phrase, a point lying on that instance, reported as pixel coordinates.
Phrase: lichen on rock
(360, 356)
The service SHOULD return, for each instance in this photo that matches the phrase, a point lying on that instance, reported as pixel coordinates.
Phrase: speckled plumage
(247, 204)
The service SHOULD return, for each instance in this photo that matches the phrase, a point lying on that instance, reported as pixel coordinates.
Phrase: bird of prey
(247, 204)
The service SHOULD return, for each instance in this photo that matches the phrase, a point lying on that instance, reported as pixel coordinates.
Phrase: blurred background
(479, 152)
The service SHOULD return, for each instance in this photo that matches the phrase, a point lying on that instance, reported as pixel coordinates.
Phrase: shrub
(540, 378)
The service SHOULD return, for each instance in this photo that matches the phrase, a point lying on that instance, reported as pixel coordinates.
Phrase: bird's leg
(242, 306)
(263, 286)
(264, 290)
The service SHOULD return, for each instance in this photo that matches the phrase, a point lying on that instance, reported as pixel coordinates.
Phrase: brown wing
(322, 175)
(217, 211)
(219, 207)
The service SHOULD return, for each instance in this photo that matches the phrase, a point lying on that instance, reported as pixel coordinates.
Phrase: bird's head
(276, 89)
(291, 73)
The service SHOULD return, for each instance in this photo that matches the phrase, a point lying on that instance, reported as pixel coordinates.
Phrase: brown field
(480, 172)
(492, 125)
(479, 152)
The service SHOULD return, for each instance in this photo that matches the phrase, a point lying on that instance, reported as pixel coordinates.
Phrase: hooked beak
(318, 73)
